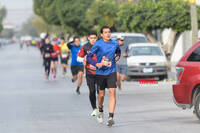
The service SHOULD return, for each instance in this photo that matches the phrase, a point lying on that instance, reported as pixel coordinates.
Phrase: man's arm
(81, 54)
(93, 51)
(69, 45)
(126, 54)
(117, 54)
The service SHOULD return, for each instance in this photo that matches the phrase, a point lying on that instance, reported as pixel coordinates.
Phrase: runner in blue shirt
(107, 52)
(76, 67)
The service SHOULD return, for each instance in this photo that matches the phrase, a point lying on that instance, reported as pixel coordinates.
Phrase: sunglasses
(121, 40)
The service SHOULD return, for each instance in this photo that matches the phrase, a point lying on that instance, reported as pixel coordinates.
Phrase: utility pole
(194, 21)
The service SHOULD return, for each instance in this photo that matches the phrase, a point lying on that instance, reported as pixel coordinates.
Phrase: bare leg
(112, 99)
(80, 78)
(55, 68)
(101, 98)
(74, 78)
(52, 66)
(119, 80)
(123, 77)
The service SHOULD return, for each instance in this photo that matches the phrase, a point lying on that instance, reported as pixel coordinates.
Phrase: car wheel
(197, 106)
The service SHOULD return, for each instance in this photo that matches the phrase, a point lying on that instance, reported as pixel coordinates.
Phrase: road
(30, 104)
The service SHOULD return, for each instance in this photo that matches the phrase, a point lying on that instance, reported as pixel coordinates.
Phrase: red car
(187, 88)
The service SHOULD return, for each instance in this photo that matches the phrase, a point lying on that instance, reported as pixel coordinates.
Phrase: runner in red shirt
(90, 69)
(54, 58)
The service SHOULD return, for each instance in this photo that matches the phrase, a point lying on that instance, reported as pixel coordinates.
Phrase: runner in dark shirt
(90, 69)
(47, 51)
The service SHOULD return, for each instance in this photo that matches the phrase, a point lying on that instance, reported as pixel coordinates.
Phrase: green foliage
(148, 16)
(41, 26)
(47, 10)
(3, 13)
(72, 15)
(79, 16)
(174, 14)
(103, 13)
(29, 29)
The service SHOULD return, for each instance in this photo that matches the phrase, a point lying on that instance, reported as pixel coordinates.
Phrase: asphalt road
(30, 104)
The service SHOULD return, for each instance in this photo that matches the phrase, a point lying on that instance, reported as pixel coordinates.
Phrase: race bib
(54, 54)
(47, 55)
(107, 61)
(64, 55)
(92, 67)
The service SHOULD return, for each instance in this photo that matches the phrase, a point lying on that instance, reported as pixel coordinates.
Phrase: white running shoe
(94, 112)
(110, 122)
(100, 117)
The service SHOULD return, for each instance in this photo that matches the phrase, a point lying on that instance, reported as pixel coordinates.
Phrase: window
(145, 50)
(134, 39)
(195, 56)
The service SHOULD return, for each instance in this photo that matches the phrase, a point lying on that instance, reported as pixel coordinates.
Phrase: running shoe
(94, 112)
(78, 92)
(110, 122)
(100, 117)
(54, 78)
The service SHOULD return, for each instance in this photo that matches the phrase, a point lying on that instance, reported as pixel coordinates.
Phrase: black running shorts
(64, 60)
(76, 69)
(107, 81)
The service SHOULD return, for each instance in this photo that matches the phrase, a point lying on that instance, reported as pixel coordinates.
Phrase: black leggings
(47, 65)
(92, 89)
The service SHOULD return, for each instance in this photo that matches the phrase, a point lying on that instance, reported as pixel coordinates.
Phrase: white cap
(43, 35)
(120, 37)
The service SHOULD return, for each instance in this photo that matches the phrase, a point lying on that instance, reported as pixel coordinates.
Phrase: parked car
(130, 38)
(186, 91)
(146, 60)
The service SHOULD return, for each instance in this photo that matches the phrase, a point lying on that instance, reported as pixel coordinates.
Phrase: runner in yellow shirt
(65, 52)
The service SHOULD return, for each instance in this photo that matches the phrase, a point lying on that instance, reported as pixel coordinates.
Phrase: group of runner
(99, 58)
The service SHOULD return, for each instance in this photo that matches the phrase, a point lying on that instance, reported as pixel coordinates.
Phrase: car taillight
(179, 73)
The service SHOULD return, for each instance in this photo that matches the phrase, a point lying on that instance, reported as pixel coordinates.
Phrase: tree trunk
(178, 34)
(150, 37)
(170, 42)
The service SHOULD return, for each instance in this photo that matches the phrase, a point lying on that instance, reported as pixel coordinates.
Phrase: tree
(103, 13)
(148, 16)
(29, 29)
(68, 14)
(3, 13)
(47, 10)
(42, 26)
(72, 15)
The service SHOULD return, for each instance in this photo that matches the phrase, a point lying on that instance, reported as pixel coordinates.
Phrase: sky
(18, 11)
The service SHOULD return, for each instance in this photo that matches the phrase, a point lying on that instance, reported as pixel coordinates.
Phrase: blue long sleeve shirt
(74, 51)
(108, 49)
